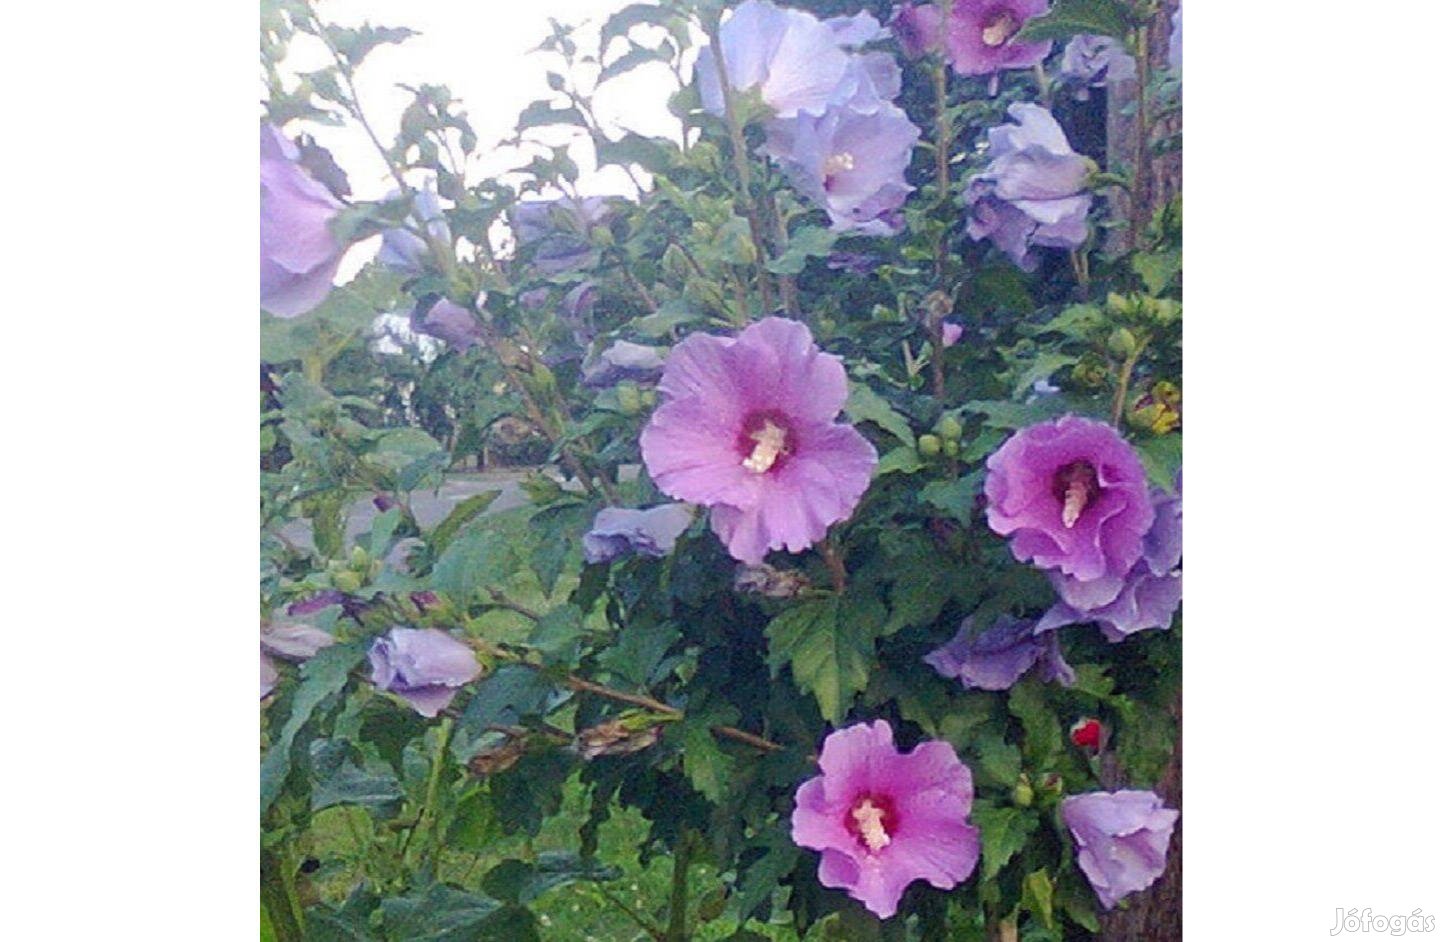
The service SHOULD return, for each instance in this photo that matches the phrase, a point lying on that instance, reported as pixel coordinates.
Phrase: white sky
(479, 49)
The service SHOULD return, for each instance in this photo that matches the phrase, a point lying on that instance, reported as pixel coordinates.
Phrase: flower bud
(929, 445)
(950, 428)
(649, 398)
(952, 449)
(1090, 372)
(1122, 343)
(629, 397)
(1023, 792)
(346, 580)
(1087, 734)
(359, 559)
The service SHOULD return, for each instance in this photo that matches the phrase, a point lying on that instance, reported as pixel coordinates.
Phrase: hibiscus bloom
(883, 819)
(299, 256)
(1073, 496)
(977, 39)
(997, 658)
(617, 531)
(792, 58)
(424, 667)
(1122, 840)
(747, 428)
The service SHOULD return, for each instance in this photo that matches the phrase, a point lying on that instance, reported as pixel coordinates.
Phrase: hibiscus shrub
(854, 565)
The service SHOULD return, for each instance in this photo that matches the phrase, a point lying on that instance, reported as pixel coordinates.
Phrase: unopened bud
(929, 445)
(629, 397)
(346, 580)
(1023, 792)
(1087, 734)
(952, 449)
(950, 428)
(1122, 343)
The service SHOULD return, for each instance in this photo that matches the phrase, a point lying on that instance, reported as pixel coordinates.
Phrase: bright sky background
(480, 50)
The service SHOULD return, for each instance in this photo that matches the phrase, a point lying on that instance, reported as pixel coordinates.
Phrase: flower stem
(1125, 376)
(1141, 203)
(677, 908)
(739, 163)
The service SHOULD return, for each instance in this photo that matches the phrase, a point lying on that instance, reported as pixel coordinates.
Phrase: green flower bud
(1122, 343)
(649, 398)
(929, 445)
(359, 559)
(1023, 792)
(629, 397)
(951, 449)
(1090, 372)
(950, 428)
(346, 580)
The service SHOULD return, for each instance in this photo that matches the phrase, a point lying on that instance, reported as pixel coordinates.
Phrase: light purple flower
(997, 658)
(883, 818)
(293, 641)
(747, 428)
(856, 30)
(792, 58)
(558, 230)
(299, 256)
(850, 163)
(952, 333)
(402, 249)
(1034, 191)
(617, 531)
(1073, 497)
(422, 666)
(919, 29)
(622, 360)
(1122, 840)
(445, 320)
(1095, 61)
(1150, 594)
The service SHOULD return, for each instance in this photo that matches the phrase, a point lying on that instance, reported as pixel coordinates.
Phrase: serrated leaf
(1162, 457)
(1038, 896)
(805, 243)
(902, 459)
(1003, 832)
(542, 114)
(520, 882)
(321, 676)
(756, 883)
(1069, 18)
(1042, 731)
(462, 514)
(709, 769)
(558, 635)
(955, 498)
(864, 405)
(1158, 269)
(999, 762)
(830, 655)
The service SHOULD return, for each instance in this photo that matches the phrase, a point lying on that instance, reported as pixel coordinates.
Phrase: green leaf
(1038, 896)
(830, 655)
(1076, 320)
(1014, 415)
(1162, 457)
(558, 635)
(629, 60)
(1158, 269)
(442, 913)
(1004, 831)
(636, 14)
(462, 514)
(1145, 742)
(1042, 732)
(864, 405)
(805, 243)
(756, 883)
(902, 458)
(673, 313)
(338, 780)
(653, 154)
(542, 114)
(999, 762)
(1070, 18)
(506, 698)
(517, 881)
(321, 676)
(1043, 366)
(954, 498)
(709, 769)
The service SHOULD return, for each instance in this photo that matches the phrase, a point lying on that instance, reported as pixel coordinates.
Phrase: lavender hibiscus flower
(747, 428)
(1151, 592)
(1122, 840)
(622, 360)
(1073, 497)
(883, 819)
(617, 531)
(299, 256)
(850, 163)
(792, 58)
(997, 658)
(1093, 62)
(558, 231)
(445, 320)
(422, 666)
(403, 249)
(1034, 192)
(292, 642)
(977, 39)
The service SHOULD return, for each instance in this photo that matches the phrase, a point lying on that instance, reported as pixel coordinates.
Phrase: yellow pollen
(997, 32)
(838, 163)
(771, 443)
(1075, 501)
(868, 818)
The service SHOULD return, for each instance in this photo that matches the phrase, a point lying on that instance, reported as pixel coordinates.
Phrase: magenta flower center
(871, 821)
(1075, 485)
(999, 27)
(836, 164)
(764, 442)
